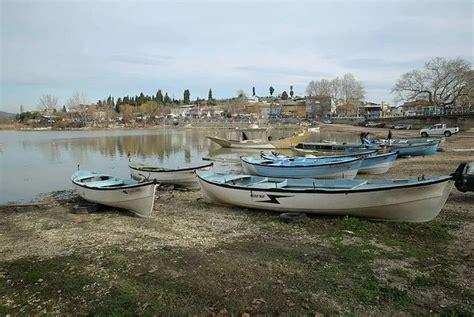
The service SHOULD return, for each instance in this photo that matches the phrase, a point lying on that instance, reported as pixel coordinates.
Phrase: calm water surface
(36, 162)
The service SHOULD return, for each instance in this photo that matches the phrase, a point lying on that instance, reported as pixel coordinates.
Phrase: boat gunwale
(405, 145)
(440, 179)
(172, 170)
(114, 187)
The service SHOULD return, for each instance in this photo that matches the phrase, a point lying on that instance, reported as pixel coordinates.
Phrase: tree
(241, 94)
(167, 99)
(351, 89)
(284, 95)
(345, 89)
(441, 81)
(186, 97)
(253, 91)
(159, 97)
(48, 102)
(292, 93)
(149, 109)
(209, 96)
(272, 90)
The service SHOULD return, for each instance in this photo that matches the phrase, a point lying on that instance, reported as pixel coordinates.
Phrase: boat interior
(304, 184)
(105, 181)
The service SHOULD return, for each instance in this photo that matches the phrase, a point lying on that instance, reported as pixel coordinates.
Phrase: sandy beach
(196, 258)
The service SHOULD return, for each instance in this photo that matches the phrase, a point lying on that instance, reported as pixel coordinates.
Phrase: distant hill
(4, 114)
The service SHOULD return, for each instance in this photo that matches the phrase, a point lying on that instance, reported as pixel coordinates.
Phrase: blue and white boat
(301, 167)
(414, 149)
(137, 197)
(378, 164)
(372, 163)
(411, 200)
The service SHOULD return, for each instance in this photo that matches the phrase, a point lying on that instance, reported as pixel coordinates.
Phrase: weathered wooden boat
(284, 143)
(180, 176)
(301, 167)
(411, 200)
(137, 197)
(372, 162)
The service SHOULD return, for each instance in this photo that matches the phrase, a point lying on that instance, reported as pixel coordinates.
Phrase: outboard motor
(464, 177)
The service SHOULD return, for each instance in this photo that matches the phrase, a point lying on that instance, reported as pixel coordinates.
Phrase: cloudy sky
(123, 48)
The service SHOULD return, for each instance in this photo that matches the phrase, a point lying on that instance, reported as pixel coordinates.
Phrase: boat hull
(407, 204)
(415, 149)
(181, 177)
(285, 143)
(377, 164)
(138, 200)
(247, 144)
(346, 170)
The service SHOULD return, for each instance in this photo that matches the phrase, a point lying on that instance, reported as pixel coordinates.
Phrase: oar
(220, 160)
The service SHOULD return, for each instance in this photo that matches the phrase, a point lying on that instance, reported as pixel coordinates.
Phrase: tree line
(443, 82)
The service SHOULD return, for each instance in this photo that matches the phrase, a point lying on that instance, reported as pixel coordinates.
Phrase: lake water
(36, 162)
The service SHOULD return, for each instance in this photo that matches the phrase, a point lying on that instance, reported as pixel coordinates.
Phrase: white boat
(284, 143)
(180, 176)
(116, 192)
(411, 200)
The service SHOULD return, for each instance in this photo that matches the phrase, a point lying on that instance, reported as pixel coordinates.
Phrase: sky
(118, 48)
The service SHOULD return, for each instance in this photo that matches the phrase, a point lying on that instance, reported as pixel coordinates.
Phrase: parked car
(372, 124)
(327, 121)
(438, 129)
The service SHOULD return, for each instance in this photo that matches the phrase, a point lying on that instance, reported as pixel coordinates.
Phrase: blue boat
(301, 167)
(416, 149)
(378, 164)
(372, 163)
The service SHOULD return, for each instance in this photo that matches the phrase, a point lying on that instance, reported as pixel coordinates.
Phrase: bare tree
(351, 89)
(336, 85)
(319, 88)
(441, 81)
(48, 102)
(77, 99)
(345, 88)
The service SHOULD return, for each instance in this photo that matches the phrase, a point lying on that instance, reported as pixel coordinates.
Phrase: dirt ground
(196, 258)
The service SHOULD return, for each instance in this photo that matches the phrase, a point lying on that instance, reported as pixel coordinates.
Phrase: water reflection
(36, 162)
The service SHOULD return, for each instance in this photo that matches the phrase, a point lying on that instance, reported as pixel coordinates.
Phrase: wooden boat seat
(265, 184)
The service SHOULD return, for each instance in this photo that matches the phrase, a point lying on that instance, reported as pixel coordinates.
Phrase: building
(371, 110)
(252, 99)
(418, 107)
(294, 108)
